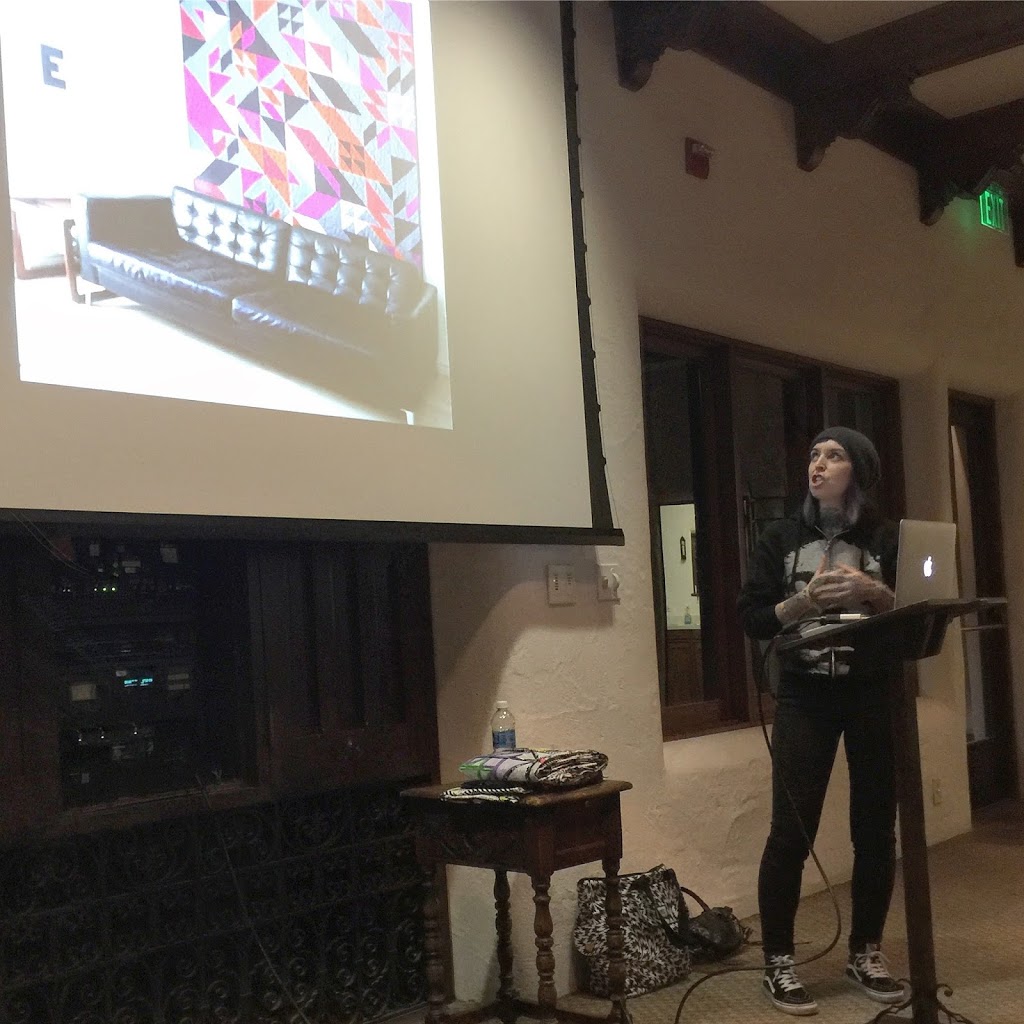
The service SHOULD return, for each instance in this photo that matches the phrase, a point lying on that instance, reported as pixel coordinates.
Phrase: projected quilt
(307, 111)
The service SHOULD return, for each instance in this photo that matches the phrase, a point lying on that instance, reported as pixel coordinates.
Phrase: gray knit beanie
(867, 467)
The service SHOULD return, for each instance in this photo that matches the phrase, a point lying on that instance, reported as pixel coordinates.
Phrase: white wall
(120, 124)
(833, 264)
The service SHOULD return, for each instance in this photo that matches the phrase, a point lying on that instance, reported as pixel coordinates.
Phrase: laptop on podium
(926, 563)
(925, 571)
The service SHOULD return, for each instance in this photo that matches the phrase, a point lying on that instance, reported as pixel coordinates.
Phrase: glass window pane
(763, 442)
(678, 534)
(857, 407)
(860, 407)
(671, 406)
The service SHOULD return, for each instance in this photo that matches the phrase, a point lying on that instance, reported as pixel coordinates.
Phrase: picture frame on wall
(693, 562)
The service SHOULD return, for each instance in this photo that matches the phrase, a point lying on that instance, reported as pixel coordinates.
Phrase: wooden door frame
(986, 517)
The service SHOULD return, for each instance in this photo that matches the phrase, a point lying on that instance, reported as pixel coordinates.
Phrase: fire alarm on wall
(698, 158)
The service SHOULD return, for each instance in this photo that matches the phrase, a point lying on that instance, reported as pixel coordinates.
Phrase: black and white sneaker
(869, 971)
(783, 988)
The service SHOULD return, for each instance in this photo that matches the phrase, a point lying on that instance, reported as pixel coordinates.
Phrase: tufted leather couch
(286, 295)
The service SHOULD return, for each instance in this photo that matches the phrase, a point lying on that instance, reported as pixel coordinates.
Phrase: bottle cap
(501, 704)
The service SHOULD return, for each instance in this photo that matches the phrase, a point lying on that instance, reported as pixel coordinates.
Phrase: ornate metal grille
(146, 925)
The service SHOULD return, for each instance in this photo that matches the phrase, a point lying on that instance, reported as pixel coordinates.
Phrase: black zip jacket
(788, 554)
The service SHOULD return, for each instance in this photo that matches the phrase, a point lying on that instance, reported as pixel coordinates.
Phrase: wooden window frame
(722, 554)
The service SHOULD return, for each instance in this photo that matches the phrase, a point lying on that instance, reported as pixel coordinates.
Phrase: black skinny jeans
(812, 714)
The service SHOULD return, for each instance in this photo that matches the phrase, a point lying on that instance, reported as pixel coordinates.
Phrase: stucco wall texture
(832, 264)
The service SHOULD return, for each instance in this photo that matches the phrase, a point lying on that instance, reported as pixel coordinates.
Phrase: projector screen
(299, 261)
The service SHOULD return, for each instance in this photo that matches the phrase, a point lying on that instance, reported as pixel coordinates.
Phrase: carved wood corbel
(965, 154)
(644, 30)
(827, 106)
(935, 191)
(938, 185)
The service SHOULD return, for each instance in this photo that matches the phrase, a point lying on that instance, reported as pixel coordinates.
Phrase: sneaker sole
(807, 1010)
(879, 997)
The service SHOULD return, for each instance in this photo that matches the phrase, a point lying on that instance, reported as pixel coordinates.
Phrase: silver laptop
(925, 571)
(926, 564)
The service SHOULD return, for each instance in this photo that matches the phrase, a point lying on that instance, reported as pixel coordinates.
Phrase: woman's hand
(803, 604)
(842, 586)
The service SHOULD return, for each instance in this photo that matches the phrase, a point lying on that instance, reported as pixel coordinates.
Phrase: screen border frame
(603, 531)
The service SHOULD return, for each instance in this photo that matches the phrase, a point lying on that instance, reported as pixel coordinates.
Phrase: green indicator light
(992, 208)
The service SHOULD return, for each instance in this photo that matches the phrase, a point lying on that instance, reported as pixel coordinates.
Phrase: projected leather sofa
(297, 300)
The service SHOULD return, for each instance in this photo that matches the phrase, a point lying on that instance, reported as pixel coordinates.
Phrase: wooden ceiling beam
(756, 43)
(905, 131)
(763, 47)
(936, 38)
(826, 107)
(861, 78)
(749, 39)
(1002, 126)
(858, 87)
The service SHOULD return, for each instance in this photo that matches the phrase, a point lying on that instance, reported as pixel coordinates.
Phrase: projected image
(229, 202)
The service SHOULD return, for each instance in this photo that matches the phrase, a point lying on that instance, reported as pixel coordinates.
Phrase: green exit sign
(992, 208)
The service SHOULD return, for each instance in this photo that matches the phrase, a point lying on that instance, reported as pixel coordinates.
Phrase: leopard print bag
(654, 951)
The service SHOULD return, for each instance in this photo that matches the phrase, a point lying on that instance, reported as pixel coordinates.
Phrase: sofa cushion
(194, 274)
(394, 283)
(125, 222)
(243, 236)
(299, 311)
(332, 265)
(349, 269)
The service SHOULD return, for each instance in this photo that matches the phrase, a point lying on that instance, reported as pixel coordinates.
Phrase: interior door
(991, 753)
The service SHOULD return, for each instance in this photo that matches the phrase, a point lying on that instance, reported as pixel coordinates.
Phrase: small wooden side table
(537, 836)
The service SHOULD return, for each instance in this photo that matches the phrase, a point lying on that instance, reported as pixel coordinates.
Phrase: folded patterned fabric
(540, 769)
(489, 792)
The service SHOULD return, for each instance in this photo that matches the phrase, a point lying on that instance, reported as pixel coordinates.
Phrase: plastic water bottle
(503, 727)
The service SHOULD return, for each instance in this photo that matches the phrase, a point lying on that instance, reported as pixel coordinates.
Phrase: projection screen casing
(516, 452)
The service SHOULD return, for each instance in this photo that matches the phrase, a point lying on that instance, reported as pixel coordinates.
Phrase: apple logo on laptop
(928, 566)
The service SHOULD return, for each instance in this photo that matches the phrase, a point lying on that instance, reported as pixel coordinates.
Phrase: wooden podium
(889, 639)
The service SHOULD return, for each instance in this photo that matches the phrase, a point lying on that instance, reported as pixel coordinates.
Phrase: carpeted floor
(977, 886)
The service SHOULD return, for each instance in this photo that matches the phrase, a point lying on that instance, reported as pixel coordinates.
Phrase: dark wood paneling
(684, 669)
(347, 659)
(316, 671)
(28, 729)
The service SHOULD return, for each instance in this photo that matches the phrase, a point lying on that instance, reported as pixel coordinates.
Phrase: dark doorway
(991, 754)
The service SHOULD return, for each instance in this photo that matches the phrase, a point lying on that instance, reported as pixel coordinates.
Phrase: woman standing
(835, 555)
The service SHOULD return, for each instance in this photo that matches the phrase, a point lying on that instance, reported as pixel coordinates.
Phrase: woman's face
(829, 473)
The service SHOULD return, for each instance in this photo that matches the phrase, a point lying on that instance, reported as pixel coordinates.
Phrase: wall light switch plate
(607, 582)
(561, 584)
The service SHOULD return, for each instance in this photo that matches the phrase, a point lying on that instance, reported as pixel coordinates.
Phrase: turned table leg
(542, 928)
(503, 926)
(616, 965)
(433, 962)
